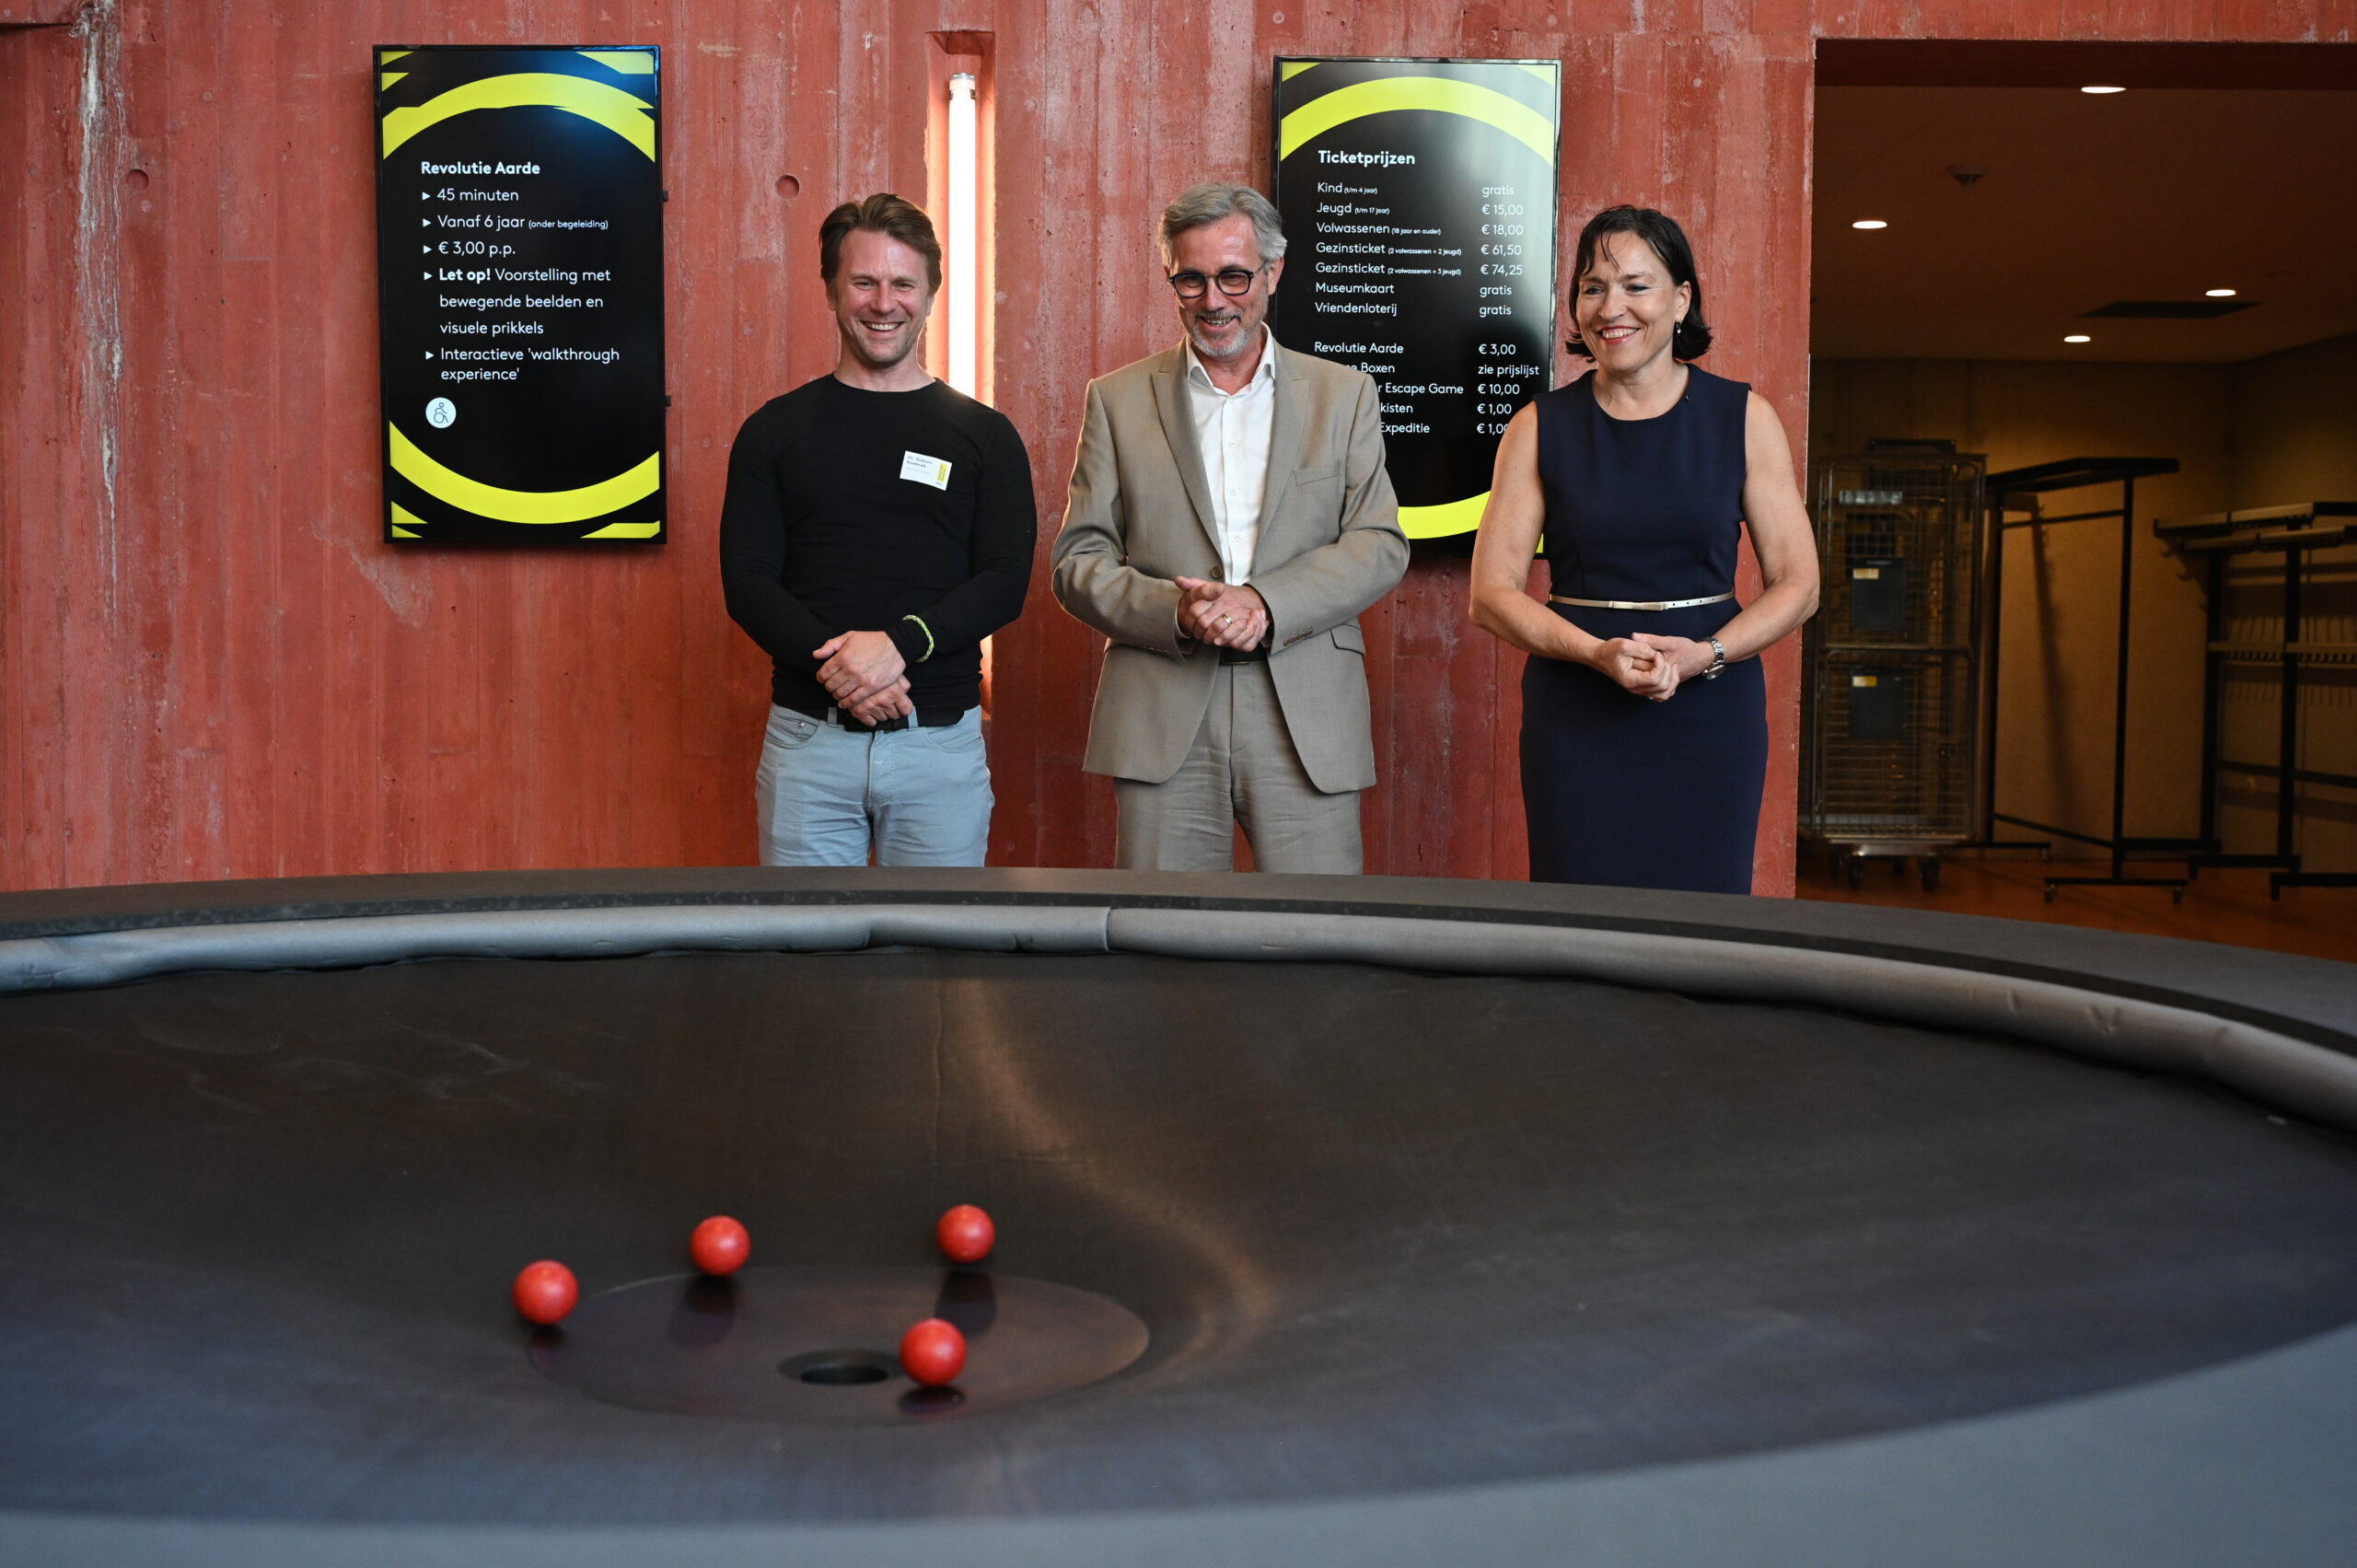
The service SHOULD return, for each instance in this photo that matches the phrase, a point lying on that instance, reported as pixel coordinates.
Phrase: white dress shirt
(1233, 431)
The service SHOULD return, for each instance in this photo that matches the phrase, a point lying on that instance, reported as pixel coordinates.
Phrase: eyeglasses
(1232, 280)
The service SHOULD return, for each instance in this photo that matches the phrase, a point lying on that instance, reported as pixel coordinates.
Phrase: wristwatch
(1718, 658)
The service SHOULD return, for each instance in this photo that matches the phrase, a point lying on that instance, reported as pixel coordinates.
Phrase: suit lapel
(1285, 450)
(1179, 428)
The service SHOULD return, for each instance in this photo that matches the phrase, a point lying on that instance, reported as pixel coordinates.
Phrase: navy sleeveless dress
(1621, 790)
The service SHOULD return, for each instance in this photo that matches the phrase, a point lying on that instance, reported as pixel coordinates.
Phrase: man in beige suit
(1229, 517)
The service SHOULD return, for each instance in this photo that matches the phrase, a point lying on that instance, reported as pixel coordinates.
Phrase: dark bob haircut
(882, 213)
(1692, 339)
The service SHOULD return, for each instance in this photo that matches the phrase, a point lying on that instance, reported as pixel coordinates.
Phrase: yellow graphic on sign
(622, 113)
(1449, 517)
(629, 61)
(455, 489)
(1491, 108)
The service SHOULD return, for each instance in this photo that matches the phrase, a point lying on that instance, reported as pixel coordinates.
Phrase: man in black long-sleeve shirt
(878, 526)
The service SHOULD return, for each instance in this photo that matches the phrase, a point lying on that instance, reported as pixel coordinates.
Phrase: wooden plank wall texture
(209, 665)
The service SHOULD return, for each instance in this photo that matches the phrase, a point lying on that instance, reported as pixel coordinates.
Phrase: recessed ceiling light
(2219, 293)
(1869, 223)
(2078, 338)
(2103, 89)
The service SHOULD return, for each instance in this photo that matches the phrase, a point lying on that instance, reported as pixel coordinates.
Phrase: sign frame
(530, 468)
(1442, 523)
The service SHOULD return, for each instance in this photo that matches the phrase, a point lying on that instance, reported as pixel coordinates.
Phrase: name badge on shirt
(924, 470)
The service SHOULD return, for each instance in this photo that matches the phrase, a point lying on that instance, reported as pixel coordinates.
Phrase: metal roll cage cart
(2007, 493)
(2292, 532)
(1889, 707)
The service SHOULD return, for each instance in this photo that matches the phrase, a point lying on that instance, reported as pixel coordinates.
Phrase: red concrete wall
(209, 665)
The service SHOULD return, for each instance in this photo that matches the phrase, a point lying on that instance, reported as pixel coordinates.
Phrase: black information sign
(1419, 201)
(519, 263)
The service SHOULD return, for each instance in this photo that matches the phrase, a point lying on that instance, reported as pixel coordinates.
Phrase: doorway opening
(2131, 258)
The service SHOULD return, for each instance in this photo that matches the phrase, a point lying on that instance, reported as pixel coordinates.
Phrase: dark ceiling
(2155, 194)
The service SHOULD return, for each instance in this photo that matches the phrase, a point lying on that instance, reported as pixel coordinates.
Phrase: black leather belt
(924, 719)
(1245, 656)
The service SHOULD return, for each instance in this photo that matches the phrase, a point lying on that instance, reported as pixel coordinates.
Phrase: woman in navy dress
(1644, 724)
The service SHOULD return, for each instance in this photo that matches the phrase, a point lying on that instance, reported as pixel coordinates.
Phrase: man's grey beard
(1195, 330)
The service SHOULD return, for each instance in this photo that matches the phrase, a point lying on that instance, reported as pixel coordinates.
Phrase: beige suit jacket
(1140, 515)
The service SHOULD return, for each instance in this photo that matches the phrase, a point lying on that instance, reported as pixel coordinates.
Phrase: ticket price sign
(1418, 204)
(519, 258)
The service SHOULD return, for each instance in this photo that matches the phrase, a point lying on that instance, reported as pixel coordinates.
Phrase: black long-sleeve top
(840, 517)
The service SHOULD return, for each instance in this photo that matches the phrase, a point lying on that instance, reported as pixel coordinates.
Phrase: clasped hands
(866, 677)
(1226, 615)
(1651, 666)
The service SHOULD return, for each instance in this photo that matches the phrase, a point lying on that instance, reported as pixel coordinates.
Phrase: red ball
(965, 1233)
(545, 1291)
(933, 1353)
(720, 1245)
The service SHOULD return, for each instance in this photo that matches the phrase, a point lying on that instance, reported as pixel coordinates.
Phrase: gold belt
(1637, 604)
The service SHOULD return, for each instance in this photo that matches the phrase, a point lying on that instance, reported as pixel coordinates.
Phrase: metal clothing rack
(2292, 532)
(2007, 491)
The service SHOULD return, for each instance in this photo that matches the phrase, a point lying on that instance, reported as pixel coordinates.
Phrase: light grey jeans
(826, 794)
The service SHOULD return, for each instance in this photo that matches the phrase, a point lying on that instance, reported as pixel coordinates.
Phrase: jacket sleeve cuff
(1288, 621)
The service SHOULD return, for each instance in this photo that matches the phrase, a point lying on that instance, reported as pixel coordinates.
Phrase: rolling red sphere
(933, 1353)
(545, 1291)
(965, 1235)
(720, 1245)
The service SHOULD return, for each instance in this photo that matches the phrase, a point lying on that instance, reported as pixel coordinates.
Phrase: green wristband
(928, 636)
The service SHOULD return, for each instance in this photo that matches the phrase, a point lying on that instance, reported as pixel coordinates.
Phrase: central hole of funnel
(839, 1368)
